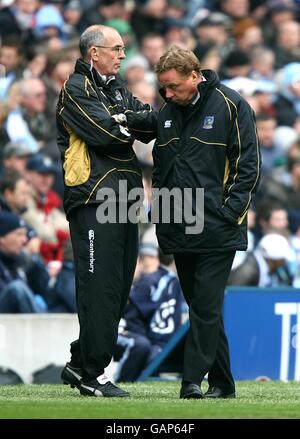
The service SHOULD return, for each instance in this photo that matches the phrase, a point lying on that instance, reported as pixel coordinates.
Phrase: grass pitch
(151, 400)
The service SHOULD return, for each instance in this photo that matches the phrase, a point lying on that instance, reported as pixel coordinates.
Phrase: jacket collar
(84, 68)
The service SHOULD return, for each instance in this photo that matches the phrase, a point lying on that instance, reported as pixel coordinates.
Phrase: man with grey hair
(96, 151)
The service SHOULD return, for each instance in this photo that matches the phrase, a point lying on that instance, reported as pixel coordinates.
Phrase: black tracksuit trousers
(203, 278)
(105, 259)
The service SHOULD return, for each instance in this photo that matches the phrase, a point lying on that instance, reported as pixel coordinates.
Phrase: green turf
(150, 400)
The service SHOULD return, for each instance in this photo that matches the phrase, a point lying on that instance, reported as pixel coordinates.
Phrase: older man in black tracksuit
(206, 139)
(96, 151)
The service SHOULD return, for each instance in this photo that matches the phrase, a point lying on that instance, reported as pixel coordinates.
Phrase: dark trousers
(105, 257)
(17, 297)
(137, 353)
(203, 278)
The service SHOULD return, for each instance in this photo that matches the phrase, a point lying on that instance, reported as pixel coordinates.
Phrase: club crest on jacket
(208, 122)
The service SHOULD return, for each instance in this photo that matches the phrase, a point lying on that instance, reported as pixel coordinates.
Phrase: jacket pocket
(77, 164)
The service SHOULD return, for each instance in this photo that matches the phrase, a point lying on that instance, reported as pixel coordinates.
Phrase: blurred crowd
(253, 45)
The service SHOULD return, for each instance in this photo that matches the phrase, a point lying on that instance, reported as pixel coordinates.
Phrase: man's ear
(195, 75)
(93, 54)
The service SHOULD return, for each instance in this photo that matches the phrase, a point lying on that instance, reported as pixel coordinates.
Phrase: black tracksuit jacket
(95, 150)
(214, 146)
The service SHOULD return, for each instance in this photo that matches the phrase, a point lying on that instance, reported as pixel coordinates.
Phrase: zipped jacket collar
(84, 68)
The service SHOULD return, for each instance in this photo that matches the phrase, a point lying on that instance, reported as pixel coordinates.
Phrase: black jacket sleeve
(90, 120)
(243, 155)
(142, 120)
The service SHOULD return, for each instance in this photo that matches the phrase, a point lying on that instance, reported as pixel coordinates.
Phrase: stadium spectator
(137, 69)
(36, 60)
(266, 266)
(236, 9)
(14, 193)
(26, 284)
(277, 12)
(43, 209)
(152, 47)
(287, 103)
(175, 32)
(236, 63)
(283, 185)
(11, 62)
(148, 17)
(273, 217)
(61, 297)
(11, 57)
(102, 11)
(49, 23)
(72, 14)
(58, 68)
(270, 154)
(151, 317)
(3, 132)
(15, 157)
(248, 34)
(15, 294)
(26, 122)
(287, 44)
(146, 93)
(212, 29)
(17, 20)
(262, 63)
(33, 108)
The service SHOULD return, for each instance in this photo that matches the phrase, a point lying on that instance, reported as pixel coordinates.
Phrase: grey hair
(27, 85)
(92, 36)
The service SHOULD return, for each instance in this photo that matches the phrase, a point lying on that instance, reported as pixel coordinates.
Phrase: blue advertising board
(263, 329)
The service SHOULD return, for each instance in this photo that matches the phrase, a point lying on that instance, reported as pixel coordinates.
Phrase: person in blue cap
(15, 294)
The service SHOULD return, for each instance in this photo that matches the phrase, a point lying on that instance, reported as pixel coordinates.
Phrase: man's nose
(169, 93)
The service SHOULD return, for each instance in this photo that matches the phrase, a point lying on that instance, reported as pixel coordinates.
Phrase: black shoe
(108, 390)
(216, 392)
(71, 375)
(190, 391)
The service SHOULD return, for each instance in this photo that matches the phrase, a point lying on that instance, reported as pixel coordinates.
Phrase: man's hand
(120, 119)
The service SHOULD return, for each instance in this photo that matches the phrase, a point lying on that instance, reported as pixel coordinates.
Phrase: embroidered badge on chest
(208, 122)
(118, 95)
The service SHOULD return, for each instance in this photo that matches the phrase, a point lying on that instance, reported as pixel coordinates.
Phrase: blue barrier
(263, 329)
